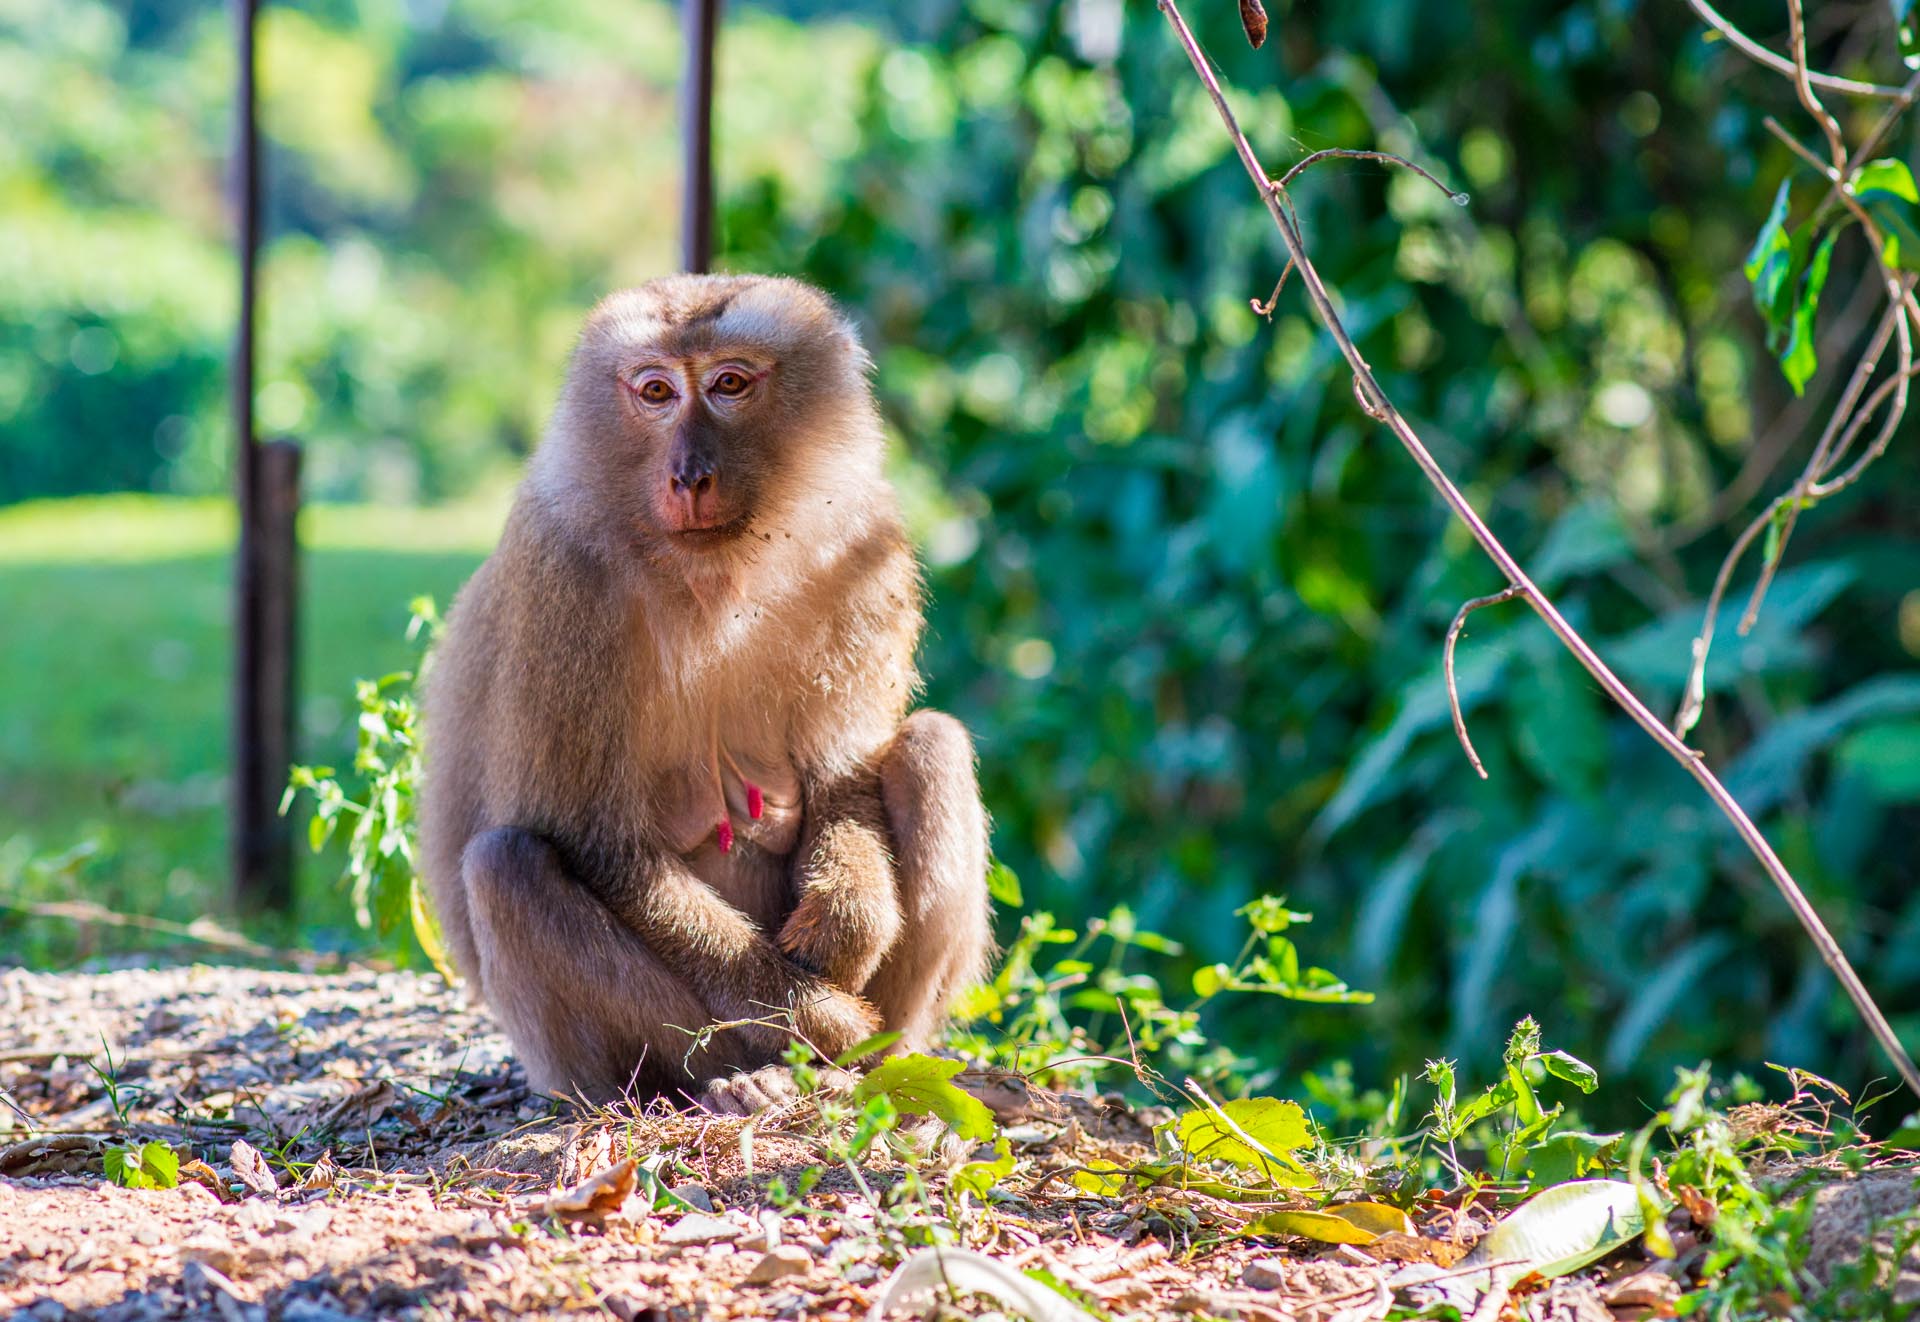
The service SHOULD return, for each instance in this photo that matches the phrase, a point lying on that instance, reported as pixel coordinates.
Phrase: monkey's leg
(939, 832)
(848, 911)
(589, 1007)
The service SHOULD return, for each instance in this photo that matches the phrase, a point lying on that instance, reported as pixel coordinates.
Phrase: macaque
(671, 779)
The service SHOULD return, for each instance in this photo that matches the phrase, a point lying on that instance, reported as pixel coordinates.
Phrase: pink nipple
(725, 832)
(755, 803)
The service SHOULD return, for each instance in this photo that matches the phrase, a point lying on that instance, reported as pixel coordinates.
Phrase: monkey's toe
(748, 1094)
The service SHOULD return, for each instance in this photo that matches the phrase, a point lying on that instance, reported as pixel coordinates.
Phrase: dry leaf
(1397, 1247)
(1253, 17)
(207, 1178)
(251, 1169)
(593, 1199)
(322, 1174)
(1648, 1289)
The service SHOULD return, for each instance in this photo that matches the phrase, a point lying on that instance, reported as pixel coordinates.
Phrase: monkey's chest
(726, 800)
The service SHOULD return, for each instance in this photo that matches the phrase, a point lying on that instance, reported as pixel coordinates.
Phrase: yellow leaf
(1343, 1223)
(1094, 1179)
(1254, 1133)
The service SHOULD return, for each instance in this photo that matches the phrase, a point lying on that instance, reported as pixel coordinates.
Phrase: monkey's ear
(856, 348)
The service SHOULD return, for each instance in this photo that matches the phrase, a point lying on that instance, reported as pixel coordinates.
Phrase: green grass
(115, 677)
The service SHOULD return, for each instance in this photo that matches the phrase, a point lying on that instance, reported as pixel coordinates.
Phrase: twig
(1753, 50)
(1510, 568)
(1384, 157)
(1266, 309)
(1507, 593)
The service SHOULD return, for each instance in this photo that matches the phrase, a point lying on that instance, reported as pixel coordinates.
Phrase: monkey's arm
(848, 915)
(731, 964)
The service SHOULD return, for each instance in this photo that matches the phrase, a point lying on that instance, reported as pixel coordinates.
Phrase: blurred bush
(1187, 595)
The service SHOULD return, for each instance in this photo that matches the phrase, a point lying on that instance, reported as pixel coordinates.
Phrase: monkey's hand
(848, 915)
(734, 968)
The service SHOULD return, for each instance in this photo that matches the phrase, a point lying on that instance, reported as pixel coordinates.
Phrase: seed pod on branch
(1253, 17)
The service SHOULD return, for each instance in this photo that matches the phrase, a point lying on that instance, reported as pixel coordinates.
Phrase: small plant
(147, 1166)
(1067, 1017)
(120, 1096)
(377, 807)
(1521, 1136)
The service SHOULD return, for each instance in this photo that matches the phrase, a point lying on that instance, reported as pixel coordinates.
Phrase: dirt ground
(367, 1147)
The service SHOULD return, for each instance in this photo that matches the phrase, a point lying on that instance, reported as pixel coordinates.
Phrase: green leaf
(1903, 26)
(149, 1166)
(1569, 1155)
(1770, 262)
(1004, 885)
(976, 1177)
(1798, 361)
(921, 1085)
(1561, 1230)
(1211, 980)
(872, 1046)
(1572, 1069)
(1885, 189)
(1885, 758)
(1269, 914)
(1254, 1133)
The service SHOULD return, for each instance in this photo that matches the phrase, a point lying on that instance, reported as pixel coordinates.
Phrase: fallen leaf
(1343, 1223)
(207, 1178)
(1395, 1247)
(933, 1271)
(594, 1199)
(1649, 1289)
(251, 1169)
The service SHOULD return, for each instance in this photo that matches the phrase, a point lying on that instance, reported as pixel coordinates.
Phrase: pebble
(694, 1195)
(787, 1260)
(1264, 1274)
(699, 1228)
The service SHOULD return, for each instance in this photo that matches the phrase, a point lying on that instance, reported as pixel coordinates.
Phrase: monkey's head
(708, 417)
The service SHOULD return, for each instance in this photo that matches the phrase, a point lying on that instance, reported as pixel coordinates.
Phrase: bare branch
(1370, 390)
(1803, 86)
(1384, 157)
(1753, 50)
(1507, 593)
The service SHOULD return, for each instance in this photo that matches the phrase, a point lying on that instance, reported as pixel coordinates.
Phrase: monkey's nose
(695, 485)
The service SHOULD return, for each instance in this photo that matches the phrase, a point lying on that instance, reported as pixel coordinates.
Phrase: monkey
(675, 810)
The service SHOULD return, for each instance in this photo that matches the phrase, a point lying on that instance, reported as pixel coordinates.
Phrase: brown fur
(631, 658)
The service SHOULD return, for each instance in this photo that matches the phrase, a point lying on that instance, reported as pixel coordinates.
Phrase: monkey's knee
(940, 851)
(933, 808)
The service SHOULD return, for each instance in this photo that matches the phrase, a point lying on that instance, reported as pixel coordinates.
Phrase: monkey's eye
(654, 390)
(731, 383)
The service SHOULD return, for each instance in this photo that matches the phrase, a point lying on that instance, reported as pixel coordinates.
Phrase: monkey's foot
(769, 1086)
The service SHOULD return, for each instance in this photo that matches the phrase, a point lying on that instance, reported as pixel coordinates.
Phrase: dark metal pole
(266, 489)
(699, 18)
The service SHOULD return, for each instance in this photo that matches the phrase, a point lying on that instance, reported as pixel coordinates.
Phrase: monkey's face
(719, 410)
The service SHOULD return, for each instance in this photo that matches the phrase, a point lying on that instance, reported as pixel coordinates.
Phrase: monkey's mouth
(704, 539)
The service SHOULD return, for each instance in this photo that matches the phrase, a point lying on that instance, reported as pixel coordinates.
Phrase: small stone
(627, 1306)
(1264, 1274)
(699, 1228)
(694, 1196)
(213, 1251)
(787, 1260)
(305, 1308)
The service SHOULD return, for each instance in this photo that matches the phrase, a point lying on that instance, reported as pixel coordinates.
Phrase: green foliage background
(1187, 597)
